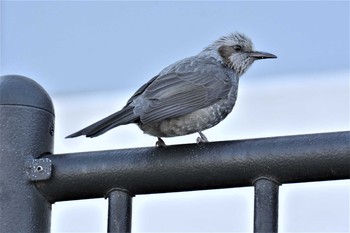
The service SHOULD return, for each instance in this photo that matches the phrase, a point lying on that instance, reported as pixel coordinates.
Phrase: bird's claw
(160, 143)
(202, 138)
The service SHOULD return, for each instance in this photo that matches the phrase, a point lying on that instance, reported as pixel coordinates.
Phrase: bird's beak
(261, 55)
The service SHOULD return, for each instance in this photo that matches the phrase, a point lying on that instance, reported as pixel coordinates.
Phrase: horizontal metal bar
(287, 159)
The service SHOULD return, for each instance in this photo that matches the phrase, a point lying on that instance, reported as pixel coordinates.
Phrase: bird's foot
(160, 143)
(202, 138)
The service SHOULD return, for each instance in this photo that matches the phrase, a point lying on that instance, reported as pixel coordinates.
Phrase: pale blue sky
(96, 45)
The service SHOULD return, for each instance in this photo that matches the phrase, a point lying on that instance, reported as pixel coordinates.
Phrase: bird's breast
(196, 121)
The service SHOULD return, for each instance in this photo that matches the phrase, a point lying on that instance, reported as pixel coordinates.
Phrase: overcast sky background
(91, 56)
(78, 46)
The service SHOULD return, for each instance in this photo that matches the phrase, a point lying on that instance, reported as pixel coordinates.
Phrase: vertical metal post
(119, 211)
(265, 205)
(26, 132)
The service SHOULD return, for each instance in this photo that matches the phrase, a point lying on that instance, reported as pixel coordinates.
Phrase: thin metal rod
(265, 205)
(119, 211)
(213, 165)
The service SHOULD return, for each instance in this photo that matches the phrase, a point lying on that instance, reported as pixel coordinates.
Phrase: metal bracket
(39, 169)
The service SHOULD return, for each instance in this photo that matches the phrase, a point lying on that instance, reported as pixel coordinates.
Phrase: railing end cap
(20, 90)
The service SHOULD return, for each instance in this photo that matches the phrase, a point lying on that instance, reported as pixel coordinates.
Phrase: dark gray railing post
(265, 205)
(26, 132)
(119, 211)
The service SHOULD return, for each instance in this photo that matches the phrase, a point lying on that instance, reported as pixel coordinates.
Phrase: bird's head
(235, 51)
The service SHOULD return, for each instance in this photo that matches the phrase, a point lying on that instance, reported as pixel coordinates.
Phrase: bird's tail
(122, 117)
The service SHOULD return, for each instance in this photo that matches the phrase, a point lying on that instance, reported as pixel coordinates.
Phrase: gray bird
(189, 96)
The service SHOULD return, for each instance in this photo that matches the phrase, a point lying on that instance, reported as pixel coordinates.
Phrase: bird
(188, 96)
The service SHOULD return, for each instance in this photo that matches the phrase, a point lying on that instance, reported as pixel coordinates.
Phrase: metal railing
(32, 177)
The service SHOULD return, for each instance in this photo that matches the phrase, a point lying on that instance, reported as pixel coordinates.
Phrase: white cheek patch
(240, 63)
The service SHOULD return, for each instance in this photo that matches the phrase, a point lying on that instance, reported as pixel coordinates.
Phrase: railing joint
(273, 179)
(120, 190)
(39, 169)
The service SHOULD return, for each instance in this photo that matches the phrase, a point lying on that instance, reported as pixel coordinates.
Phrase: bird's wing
(189, 87)
(140, 90)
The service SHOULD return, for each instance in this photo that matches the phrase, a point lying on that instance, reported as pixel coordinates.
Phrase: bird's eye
(237, 47)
